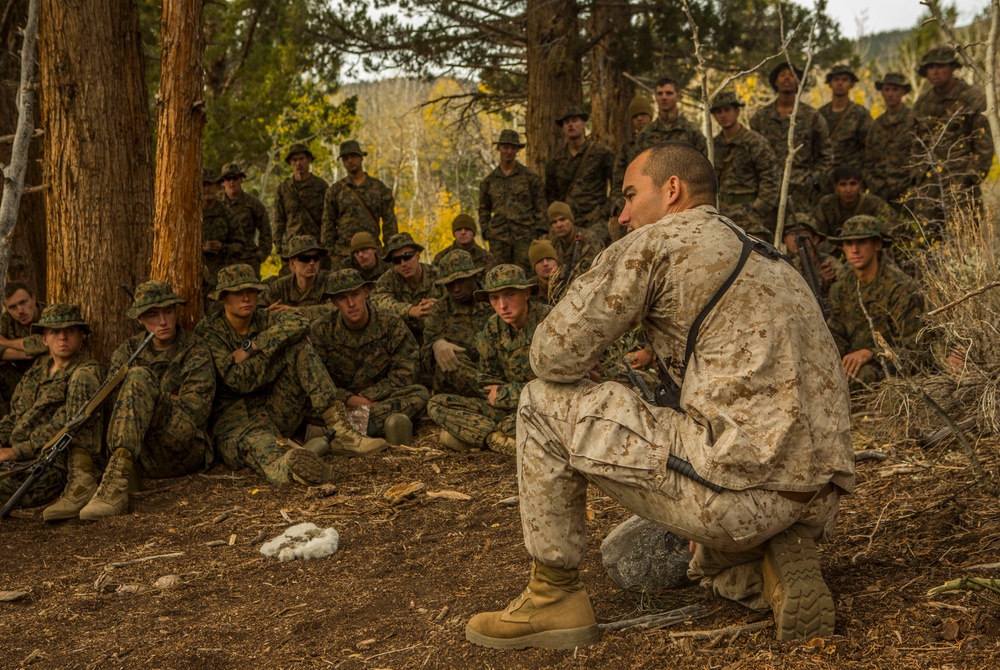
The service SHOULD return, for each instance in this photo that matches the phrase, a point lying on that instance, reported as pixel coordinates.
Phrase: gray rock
(641, 553)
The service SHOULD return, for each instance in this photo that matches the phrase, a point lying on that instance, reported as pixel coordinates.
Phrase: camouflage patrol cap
(559, 209)
(501, 277)
(151, 294)
(725, 99)
(351, 147)
(208, 176)
(841, 69)
(895, 78)
(456, 264)
(232, 170)
(510, 137)
(343, 281)
(861, 227)
(640, 105)
(233, 278)
(940, 55)
(397, 242)
(59, 316)
(300, 244)
(784, 65)
(463, 221)
(363, 240)
(298, 149)
(571, 111)
(539, 250)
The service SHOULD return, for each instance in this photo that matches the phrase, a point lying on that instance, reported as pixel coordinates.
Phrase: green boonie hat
(773, 77)
(456, 264)
(299, 244)
(342, 281)
(232, 170)
(151, 294)
(510, 137)
(208, 176)
(895, 78)
(861, 227)
(351, 147)
(558, 209)
(841, 69)
(540, 249)
(941, 55)
(236, 278)
(397, 242)
(640, 105)
(463, 221)
(363, 240)
(571, 111)
(725, 99)
(298, 149)
(807, 220)
(58, 316)
(504, 276)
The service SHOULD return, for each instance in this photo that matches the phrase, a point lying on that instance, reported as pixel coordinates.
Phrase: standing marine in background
(251, 215)
(298, 204)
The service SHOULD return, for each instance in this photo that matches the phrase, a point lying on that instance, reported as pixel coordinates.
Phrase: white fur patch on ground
(306, 540)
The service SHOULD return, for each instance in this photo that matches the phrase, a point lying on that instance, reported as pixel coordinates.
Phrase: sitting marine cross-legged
(268, 378)
(751, 463)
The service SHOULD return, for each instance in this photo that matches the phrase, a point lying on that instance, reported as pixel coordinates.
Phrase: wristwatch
(248, 345)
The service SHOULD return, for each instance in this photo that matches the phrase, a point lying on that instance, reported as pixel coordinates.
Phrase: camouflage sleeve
(34, 347)
(321, 336)
(823, 158)
(280, 218)
(485, 207)
(757, 121)
(331, 213)
(539, 204)
(80, 388)
(837, 322)
(197, 384)
(402, 366)
(235, 242)
(769, 185)
(388, 207)
(874, 180)
(906, 310)
(263, 225)
(285, 329)
(490, 371)
(383, 299)
(433, 329)
(861, 137)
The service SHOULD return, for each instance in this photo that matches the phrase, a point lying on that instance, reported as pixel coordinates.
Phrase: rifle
(639, 383)
(60, 442)
(567, 271)
(805, 249)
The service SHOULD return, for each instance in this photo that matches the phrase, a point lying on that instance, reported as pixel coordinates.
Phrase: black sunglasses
(402, 258)
(313, 258)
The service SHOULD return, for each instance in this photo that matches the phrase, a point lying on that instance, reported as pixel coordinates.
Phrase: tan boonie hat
(942, 55)
(571, 111)
(151, 294)
(397, 242)
(640, 105)
(504, 276)
(236, 278)
(559, 209)
(300, 244)
(725, 99)
(510, 137)
(351, 147)
(895, 78)
(342, 281)
(463, 221)
(861, 227)
(58, 316)
(540, 249)
(208, 176)
(841, 69)
(363, 240)
(232, 170)
(298, 149)
(456, 264)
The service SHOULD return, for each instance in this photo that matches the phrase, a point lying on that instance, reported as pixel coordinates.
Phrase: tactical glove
(446, 355)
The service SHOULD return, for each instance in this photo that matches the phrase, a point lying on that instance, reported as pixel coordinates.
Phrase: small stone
(11, 596)
(641, 553)
(949, 630)
(167, 582)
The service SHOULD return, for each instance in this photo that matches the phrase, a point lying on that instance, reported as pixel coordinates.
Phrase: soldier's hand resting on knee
(853, 361)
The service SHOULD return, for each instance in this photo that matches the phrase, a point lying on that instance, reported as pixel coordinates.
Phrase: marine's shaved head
(680, 159)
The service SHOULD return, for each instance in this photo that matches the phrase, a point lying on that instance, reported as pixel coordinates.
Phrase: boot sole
(308, 467)
(64, 516)
(337, 450)
(568, 638)
(807, 609)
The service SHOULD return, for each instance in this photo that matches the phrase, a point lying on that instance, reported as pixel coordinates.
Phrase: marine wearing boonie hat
(351, 148)
(571, 111)
(457, 264)
(233, 278)
(503, 277)
(300, 244)
(725, 99)
(894, 78)
(399, 241)
(343, 281)
(150, 295)
(59, 316)
(784, 65)
(940, 55)
(862, 227)
(511, 137)
(298, 149)
(232, 170)
(841, 69)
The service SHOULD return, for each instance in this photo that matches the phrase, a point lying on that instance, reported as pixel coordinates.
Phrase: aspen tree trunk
(180, 120)
(98, 160)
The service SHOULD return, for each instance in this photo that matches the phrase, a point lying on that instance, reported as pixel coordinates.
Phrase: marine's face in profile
(644, 202)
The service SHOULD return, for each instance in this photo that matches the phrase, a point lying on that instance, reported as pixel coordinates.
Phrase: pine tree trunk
(610, 91)
(98, 159)
(177, 257)
(554, 74)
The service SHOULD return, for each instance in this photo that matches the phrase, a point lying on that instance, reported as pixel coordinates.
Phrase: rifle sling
(576, 173)
(354, 190)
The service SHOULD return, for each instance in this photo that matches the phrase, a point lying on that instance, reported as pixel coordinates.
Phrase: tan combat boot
(81, 482)
(545, 615)
(794, 587)
(350, 442)
(307, 467)
(111, 498)
(501, 443)
(451, 442)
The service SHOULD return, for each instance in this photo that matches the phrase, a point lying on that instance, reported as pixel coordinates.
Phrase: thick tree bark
(610, 91)
(554, 74)
(27, 258)
(180, 119)
(98, 160)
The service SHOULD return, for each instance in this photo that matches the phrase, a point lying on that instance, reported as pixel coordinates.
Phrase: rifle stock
(805, 250)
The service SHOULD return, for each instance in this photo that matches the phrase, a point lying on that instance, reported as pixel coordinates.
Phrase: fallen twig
(122, 564)
(661, 620)
(722, 632)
